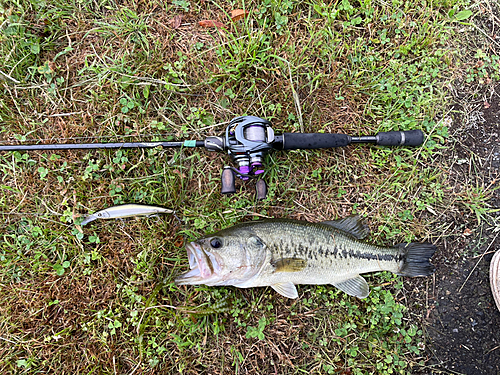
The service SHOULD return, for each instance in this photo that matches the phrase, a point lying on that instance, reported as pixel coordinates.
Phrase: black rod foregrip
(400, 138)
(308, 141)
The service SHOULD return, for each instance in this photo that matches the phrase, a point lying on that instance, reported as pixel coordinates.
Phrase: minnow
(282, 253)
(126, 210)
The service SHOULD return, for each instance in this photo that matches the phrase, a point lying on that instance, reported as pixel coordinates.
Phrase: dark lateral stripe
(283, 250)
(348, 253)
(379, 257)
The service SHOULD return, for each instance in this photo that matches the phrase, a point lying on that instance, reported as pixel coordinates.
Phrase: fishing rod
(247, 140)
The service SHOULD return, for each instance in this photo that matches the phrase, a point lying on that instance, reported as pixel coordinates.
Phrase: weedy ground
(101, 299)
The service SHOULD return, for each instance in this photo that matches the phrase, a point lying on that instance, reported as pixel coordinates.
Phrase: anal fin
(355, 286)
(287, 289)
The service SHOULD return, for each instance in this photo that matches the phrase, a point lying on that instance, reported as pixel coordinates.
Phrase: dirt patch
(463, 321)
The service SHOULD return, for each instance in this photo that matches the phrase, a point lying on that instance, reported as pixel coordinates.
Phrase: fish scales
(282, 253)
(342, 254)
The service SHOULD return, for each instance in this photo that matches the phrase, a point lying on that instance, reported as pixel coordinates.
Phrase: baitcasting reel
(248, 139)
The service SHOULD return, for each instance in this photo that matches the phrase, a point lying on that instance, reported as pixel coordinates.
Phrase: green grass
(91, 70)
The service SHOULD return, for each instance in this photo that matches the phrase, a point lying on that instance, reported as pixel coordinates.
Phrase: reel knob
(261, 190)
(228, 186)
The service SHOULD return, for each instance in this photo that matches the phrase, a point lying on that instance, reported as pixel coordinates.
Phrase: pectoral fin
(353, 225)
(289, 264)
(286, 289)
(356, 286)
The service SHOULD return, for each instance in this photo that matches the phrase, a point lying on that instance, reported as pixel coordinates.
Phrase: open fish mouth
(204, 266)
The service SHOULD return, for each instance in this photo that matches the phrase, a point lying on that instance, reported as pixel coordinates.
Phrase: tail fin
(416, 259)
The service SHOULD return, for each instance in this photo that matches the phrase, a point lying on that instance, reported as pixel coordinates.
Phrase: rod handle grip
(400, 138)
(309, 141)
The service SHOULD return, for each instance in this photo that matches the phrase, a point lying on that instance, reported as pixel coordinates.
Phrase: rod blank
(92, 146)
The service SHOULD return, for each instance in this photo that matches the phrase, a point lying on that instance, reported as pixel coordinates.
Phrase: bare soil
(463, 323)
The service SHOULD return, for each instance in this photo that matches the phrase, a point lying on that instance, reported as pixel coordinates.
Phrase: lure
(126, 210)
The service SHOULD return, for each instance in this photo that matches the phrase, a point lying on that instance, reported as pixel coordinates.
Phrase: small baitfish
(126, 210)
(282, 253)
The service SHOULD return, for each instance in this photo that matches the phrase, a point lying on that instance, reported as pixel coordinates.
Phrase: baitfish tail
(416, 259)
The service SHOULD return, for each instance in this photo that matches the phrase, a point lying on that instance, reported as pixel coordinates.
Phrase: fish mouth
(203, 264)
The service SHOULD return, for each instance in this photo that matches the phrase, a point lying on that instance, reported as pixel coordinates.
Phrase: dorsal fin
(289, 264)
(352, 224)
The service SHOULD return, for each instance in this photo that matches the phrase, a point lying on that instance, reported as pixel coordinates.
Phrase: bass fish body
(282, 253)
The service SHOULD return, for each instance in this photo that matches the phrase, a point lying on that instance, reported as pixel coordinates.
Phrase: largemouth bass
(282, 253)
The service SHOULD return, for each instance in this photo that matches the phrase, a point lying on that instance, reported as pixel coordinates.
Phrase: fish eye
(216, 242)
